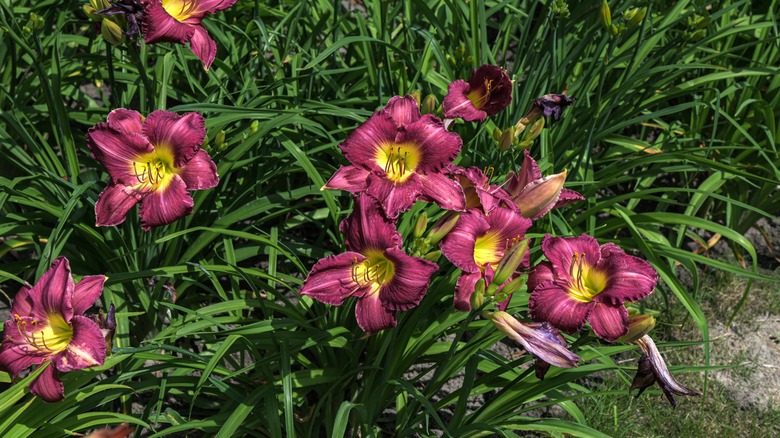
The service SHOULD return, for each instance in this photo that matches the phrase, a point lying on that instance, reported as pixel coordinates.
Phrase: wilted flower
(399, 157)
(374, 269)
(583, 281)
(540, 339)
(652, 368)
(179, 21)
(131, 10)
(487, 93)
(47, 325)
(535, 195)
(152, 161)
(547, 105)
(477, 244)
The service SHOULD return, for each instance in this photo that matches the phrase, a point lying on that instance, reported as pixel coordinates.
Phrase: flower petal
(442, 190)
(494, 83)
(87, 347)
(457, 104)
(22, 304)
(117, 150)
(372, 316)
(87, 291)
(126, 120)
(464, 289)
(403, 110)
(567, 197)
(609, 322)
(349, 178)
(629, 278)
(550, 302)
(200, 172)
(114, 203)
(458, 245)
(367, 228)
(437, 146)
(330, 280)
(53, 292)
(529, 171)
(560, 250)
(159, 26)
(211, 6)
(394, 198)
(181, 135)
(164, 206)
(48, 386)
(410, 280)
(541, 273)
(15, 354)
(203, 46)
(362, 145)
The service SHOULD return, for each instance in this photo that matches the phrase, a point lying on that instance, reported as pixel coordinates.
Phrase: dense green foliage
(672, 138)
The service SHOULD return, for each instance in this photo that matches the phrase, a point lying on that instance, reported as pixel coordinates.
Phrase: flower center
(154, 168)
(488, 248)
(586, 281)
(374, 271)
(52, 339)
(479, 96)
(399, 161)
(179, 9)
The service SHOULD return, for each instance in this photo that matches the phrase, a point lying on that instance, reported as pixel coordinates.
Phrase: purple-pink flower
(375, 270)
(487, 93)
(179, 21)
(583, 281)
(153, 161)
(477, 244)
(478, 190)
(399, 157)
(47, 325)
(535, 195)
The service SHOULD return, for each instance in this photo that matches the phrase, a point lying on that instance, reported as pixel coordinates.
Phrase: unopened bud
(606, 15)
(638, 326)
(614, 30)
(634, 16)
(429, 104)
(525, 144)
(100, 4)
(477, 299)
(433, 256)
(510, 262)
(496, 133)
(254, 126)
(513, 286)
(26, 29)
(443, 226)
(112, 32)
(417, 96)
(537, 199)
(219, 140)
(535, 130)
(501, 297)
(420, 225)
(506, 139)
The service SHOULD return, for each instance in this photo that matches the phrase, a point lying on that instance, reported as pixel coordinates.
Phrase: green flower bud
(112, 32)
(477, 299)
(420, 225)
(443, 226)
(510, 262)
(417, 96)
(513, 286)
(535, 130)
(219, 140)
(433, 256)
(638, 326)
(606, 15)
(254, 126)
(429, 104)
(506, 139)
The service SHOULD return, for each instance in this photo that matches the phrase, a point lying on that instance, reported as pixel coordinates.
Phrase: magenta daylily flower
(477, 244)
(152, 161)
(179, 21)
(487, 93)
(47, 325)
(374, 269)
(583, 281)
(535, 195)
(399, 157)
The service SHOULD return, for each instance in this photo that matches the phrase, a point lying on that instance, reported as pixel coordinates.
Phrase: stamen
(489, 170)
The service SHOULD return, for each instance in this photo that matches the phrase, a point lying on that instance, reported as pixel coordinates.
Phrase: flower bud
(614, 30)
(428, 104)
(638, 326)
(510, 262)
(514, 285)
(634, 16)
(478, 299)
(538, 198)
(497, 133)
(506, 139)
(420, 225)
(525, 144)
(254, 126)
(606, 15)
(417, 96)
(433, 256)
(112, 32)
(535, 130)
(219, 140)
(443, 226)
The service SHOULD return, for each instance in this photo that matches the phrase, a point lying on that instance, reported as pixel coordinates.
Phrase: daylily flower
(583, 281)
(399, 157)
(47, 325)
(540, 339)
(535, 195)
(152, 161)
(478, 190)
(375, 270)
(487, 93)
(179, 21)
(652, 368)
(477, 244)
(549, 105)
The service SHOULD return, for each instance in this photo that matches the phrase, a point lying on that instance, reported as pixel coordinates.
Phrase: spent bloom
(47, 325)
(652, 368)
(179, 21)
(478, 243)
(583, 281)
(487, 93)
(535, 195)
(399, 157)
(375, 270)
(153, 161)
